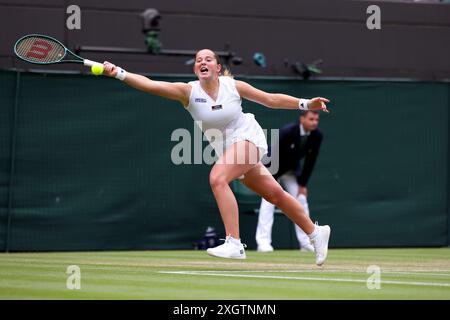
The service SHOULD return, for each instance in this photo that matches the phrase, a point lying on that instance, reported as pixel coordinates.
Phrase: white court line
(196, 273)
(421, 273)
(415, 272)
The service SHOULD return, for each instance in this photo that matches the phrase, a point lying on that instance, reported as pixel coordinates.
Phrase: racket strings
(40, 50)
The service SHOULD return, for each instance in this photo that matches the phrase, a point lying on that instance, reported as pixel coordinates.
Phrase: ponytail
(227, 73)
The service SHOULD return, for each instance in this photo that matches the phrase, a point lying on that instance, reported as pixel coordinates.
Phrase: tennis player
(215, 100)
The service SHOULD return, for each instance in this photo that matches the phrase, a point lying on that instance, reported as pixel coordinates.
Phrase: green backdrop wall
(85, 164)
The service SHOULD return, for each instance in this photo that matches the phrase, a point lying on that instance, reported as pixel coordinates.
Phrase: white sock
(235, 241)
(314, 233)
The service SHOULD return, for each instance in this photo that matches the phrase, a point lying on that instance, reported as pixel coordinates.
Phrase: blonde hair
(227, 73)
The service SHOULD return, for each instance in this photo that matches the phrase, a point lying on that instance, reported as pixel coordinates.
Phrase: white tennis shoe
(320, 243)
(230, 249)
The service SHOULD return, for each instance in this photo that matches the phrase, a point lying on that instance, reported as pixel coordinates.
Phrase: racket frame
(86, 62)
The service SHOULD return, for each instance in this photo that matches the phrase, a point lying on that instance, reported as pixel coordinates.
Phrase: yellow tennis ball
(97, 69)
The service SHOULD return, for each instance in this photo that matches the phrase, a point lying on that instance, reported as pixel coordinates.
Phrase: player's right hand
(318, 103)
(110, 69)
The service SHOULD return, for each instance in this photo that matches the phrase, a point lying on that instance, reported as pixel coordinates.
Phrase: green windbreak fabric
(93, 170)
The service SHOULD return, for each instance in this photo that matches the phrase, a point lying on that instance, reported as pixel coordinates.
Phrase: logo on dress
(200, 100)
(216, 107)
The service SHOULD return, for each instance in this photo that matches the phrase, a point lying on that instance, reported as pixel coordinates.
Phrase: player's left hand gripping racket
(41, 49)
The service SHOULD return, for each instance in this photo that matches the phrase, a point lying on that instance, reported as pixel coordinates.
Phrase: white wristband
(121, 74)
(303, 104)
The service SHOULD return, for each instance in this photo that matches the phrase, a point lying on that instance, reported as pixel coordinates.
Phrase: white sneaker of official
(320, 243)
(230, 249)
(307, 248)
(264, 248)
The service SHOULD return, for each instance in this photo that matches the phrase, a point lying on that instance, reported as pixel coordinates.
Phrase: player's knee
(217, 180)
(276, 196)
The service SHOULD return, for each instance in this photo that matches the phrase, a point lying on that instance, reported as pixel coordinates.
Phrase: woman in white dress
(238, 140)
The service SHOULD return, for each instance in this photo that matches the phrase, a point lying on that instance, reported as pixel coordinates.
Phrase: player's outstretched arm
(278, 100)
(179, 91)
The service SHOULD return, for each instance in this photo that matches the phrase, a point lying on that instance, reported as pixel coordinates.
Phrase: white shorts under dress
(244, 128)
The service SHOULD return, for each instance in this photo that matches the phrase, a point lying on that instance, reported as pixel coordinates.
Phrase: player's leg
(234, 163)
(261, 181)
(238, 159)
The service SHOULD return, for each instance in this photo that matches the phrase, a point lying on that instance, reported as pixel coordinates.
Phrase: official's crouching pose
(297, 141)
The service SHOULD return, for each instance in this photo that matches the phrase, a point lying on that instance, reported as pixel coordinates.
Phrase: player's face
(310, 121)
(206, 66)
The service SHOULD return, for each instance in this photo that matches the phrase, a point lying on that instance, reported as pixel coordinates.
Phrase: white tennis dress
(222, 121)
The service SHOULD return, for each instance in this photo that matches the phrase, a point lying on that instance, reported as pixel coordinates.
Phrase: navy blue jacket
(290, 152)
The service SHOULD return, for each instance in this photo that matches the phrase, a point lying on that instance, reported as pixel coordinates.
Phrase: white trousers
(267, 210)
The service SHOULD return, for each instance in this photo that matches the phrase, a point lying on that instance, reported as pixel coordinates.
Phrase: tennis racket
(41, 49)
